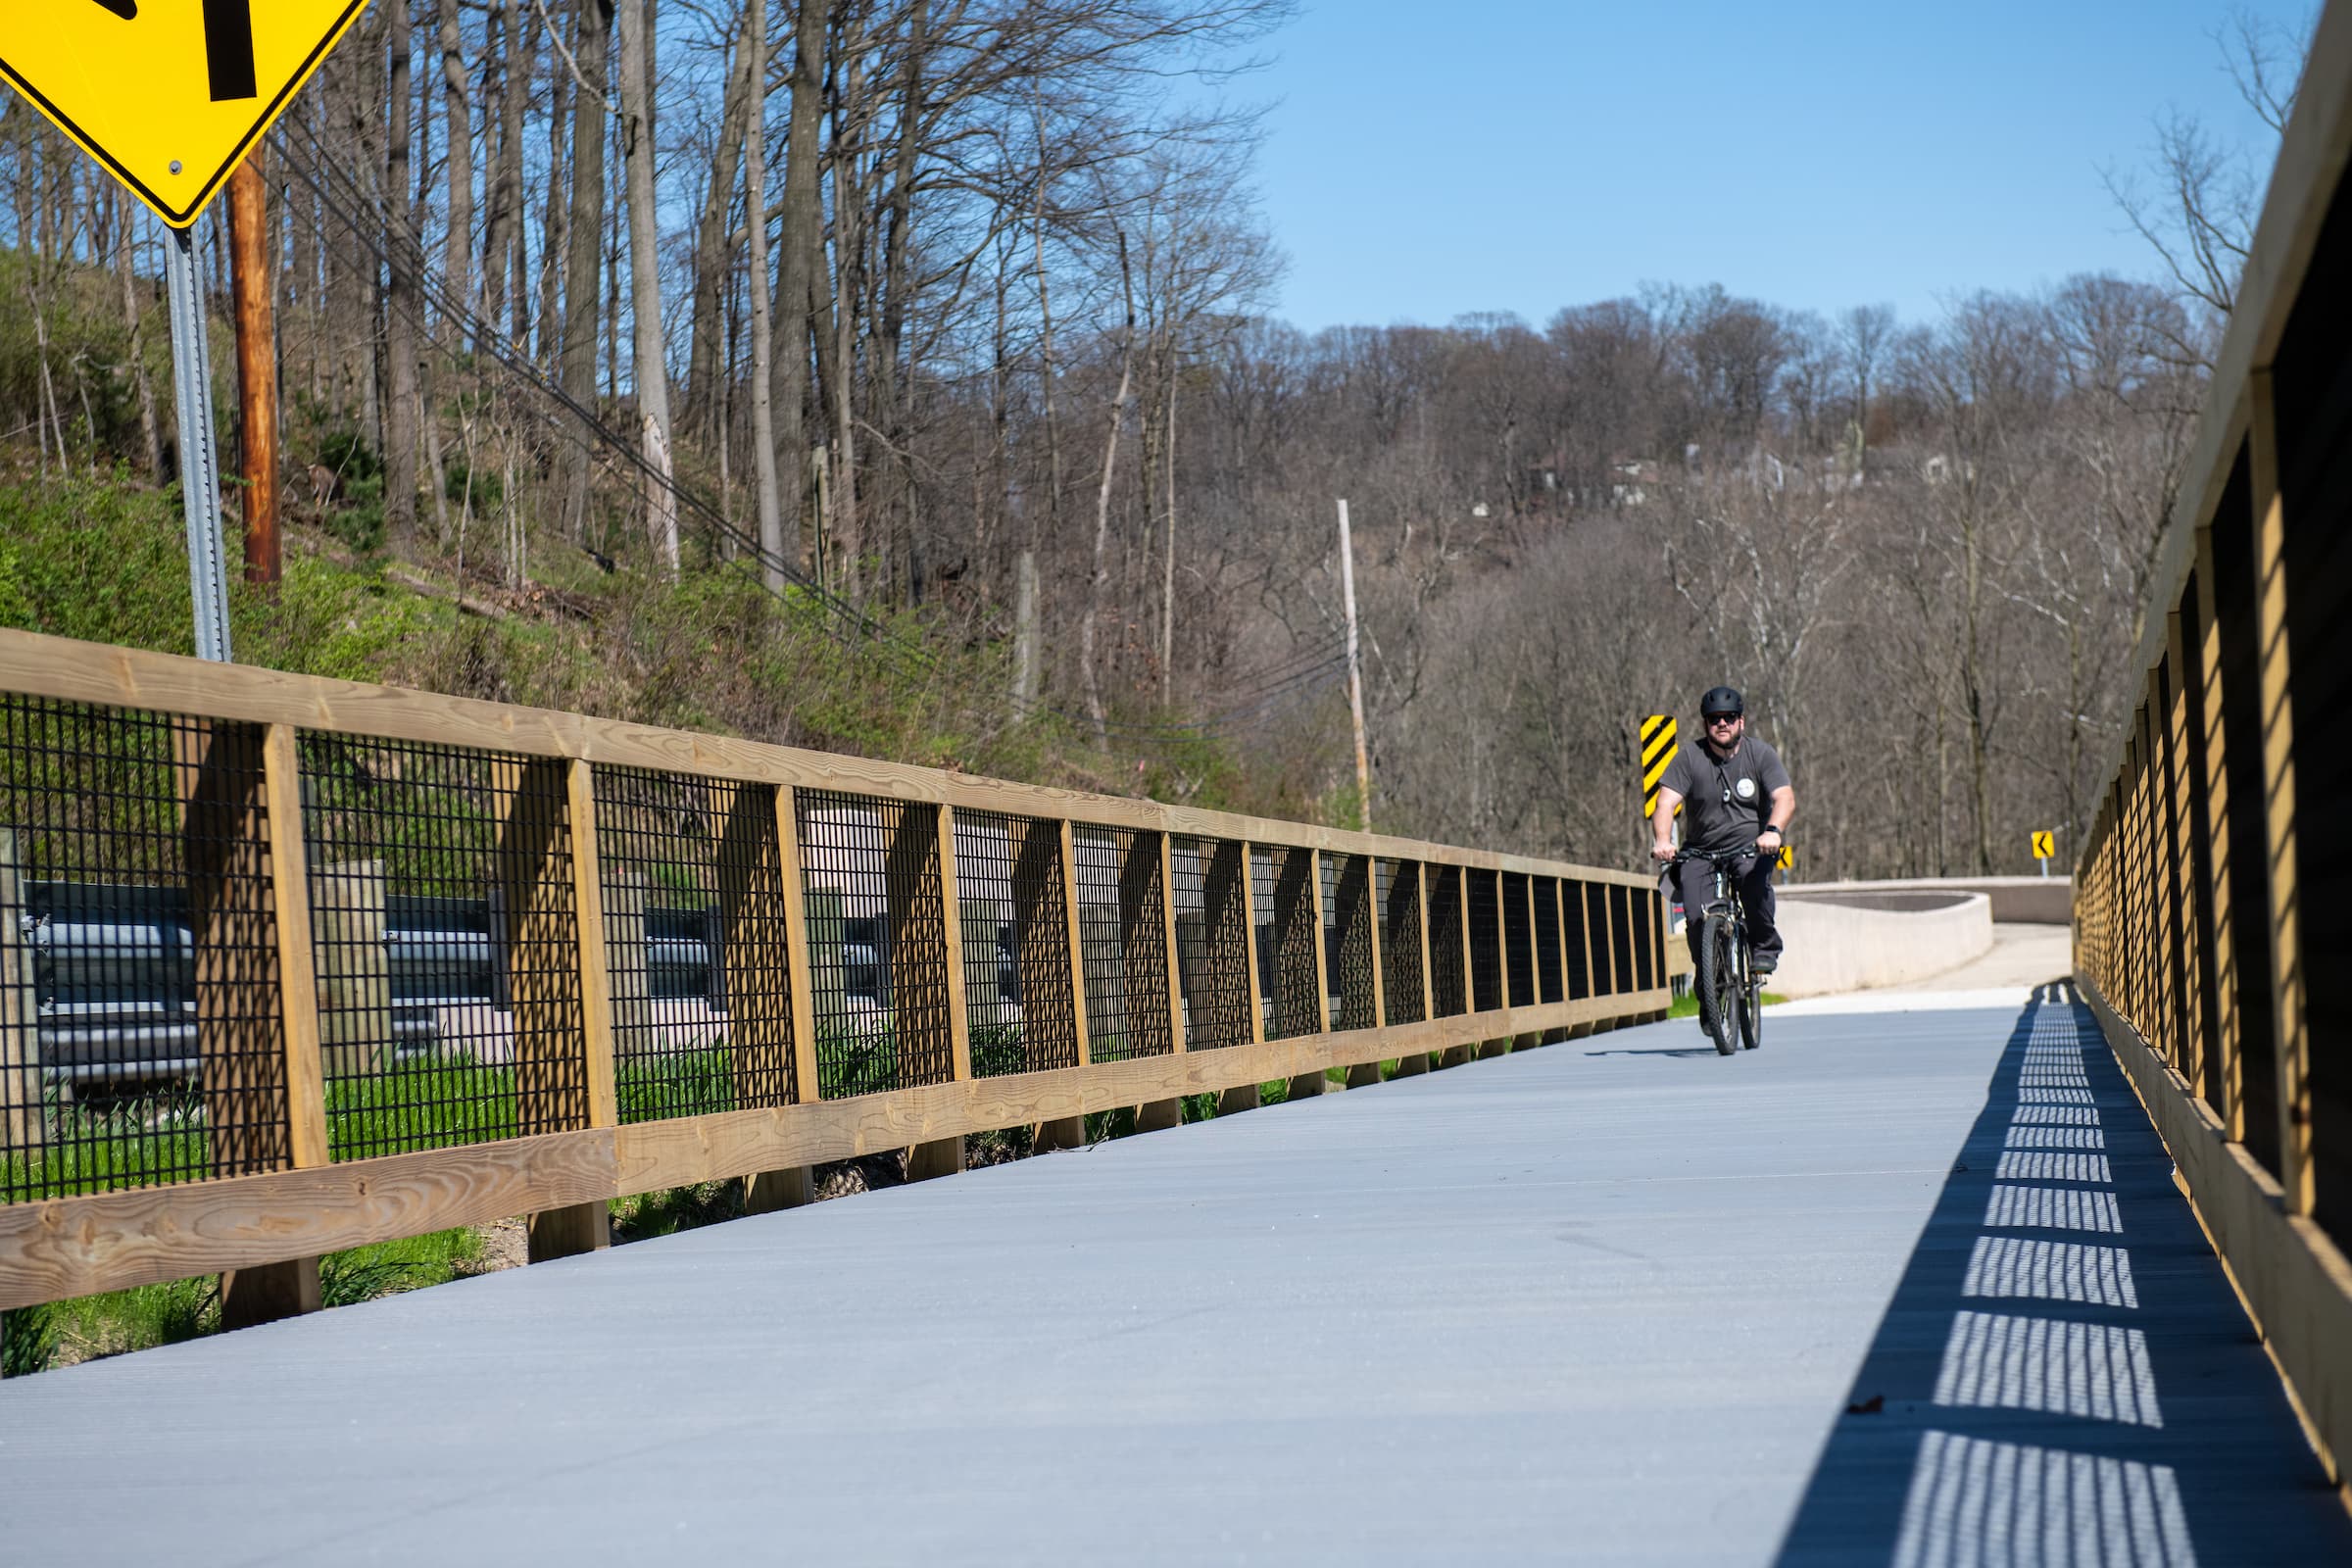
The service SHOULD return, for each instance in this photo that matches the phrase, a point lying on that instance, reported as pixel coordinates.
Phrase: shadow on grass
(2064, 1374)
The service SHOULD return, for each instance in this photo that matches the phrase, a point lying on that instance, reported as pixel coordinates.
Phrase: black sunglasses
(1724, 718)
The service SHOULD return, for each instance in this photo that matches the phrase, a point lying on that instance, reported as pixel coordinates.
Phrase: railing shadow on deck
(2063, 1374)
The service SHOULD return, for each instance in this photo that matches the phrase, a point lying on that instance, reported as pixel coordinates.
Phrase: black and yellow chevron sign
(2043, 848)
(1658, 750)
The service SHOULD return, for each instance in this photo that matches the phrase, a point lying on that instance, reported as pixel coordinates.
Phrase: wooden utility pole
(1356, 673)
(252, 281)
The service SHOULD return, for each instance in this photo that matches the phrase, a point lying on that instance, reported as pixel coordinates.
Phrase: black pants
(1753, 874)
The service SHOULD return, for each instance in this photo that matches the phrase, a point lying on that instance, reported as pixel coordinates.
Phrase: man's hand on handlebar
(1663, 850)
(1769, 841)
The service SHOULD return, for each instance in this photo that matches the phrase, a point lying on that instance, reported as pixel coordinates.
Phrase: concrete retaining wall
(2025, 900)
(1869, 938)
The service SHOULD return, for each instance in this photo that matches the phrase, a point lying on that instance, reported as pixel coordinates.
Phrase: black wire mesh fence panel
(141, 1040)
(1621, 937)
(1448, 971)
(695, 945)
(1017, 999)
(446, 937)
(1597, 936)
(1282, 882)
(1642, 908)
(877, 943)
(1401, 939)
(1547, 940)
(1518, 955)
(1123, 941)
(1485, 942)
(1212, 951)
(1576, 955)
(1348, 940)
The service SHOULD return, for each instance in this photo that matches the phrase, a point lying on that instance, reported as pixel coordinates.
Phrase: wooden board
(65, 1246)
(93, 672)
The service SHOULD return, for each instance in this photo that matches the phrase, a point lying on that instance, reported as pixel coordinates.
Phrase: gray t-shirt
(1727, 802)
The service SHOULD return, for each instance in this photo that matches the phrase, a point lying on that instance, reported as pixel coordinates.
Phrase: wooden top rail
(62, 668)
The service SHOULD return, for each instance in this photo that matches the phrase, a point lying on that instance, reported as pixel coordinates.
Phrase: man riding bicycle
(1739, 796)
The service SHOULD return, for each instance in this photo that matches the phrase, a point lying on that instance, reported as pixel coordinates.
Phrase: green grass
(1688, 1007)
(684, 1083)
(645, 1215)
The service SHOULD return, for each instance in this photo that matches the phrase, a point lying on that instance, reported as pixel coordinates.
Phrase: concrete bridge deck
(1611, 1301)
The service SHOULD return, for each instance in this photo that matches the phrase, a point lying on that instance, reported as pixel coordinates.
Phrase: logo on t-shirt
(1746, 789)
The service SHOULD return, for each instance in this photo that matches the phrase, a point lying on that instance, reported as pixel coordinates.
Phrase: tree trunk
(897, 240)
(401, 303)
(1167, 570)
(456, 251)
(803, 239)
(645, 272)
(150, 431)
(585, 233)
(714, 258)
(754, 185)
(554, 245)
(1100, 581)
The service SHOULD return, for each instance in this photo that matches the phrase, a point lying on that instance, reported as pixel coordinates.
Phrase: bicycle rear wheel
(1717, 981)
(1751, 1011)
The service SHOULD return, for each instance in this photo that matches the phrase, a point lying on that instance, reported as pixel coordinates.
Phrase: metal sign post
(168, 98)
(199, 454)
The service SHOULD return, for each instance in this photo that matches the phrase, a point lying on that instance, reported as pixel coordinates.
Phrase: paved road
(1607, 1301)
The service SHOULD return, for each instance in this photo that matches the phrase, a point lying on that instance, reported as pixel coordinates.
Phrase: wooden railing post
(1069, 910)
(1366, 1073)
(944, 1156)
(791, 1186)
(1305, 1084)
(2185, 887)
(273, 1290)
(1244, 1097)
(552, 796)
(1157, 1114)
(1417, 1061)
(1535, 968)
(1455, 1054)
(2225, 1075)
(2292, 1039)
(1067, 1132)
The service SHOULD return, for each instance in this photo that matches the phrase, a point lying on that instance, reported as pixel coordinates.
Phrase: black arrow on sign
(227, 44)
(227, 47)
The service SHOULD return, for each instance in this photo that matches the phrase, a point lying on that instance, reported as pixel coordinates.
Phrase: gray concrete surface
(1607, 1301)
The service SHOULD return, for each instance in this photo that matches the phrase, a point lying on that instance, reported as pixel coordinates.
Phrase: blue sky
(1427, 159)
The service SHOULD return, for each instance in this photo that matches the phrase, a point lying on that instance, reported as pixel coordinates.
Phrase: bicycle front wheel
(1717, 982)
(1751, 1012)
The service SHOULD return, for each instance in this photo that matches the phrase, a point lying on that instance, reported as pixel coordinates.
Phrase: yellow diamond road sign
(168, 94)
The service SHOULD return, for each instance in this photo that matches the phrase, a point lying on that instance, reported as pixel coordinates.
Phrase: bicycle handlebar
(1712, 857)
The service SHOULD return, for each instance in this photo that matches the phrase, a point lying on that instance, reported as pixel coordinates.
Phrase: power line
(319, 172)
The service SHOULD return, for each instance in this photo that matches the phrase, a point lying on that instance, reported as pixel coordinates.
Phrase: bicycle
(1731, 999)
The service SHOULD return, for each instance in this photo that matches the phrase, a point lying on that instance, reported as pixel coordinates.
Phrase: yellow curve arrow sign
(168, 94)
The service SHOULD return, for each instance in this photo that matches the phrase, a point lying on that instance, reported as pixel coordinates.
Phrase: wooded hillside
(934, 334)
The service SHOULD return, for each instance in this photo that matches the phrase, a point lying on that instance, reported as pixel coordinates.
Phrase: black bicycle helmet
(1721, 700)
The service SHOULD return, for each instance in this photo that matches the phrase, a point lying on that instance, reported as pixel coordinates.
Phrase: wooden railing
(2206, 923)
(850, 996)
